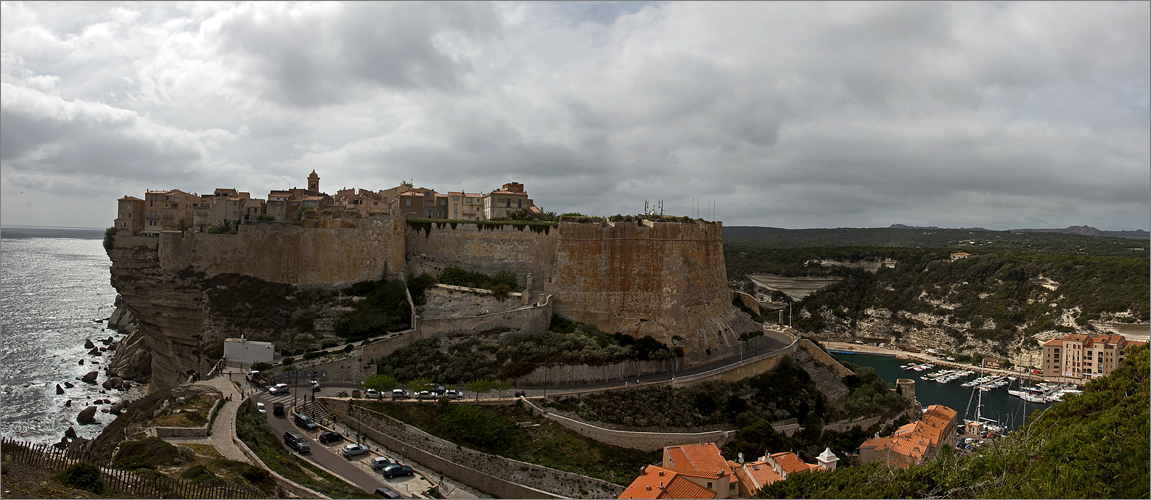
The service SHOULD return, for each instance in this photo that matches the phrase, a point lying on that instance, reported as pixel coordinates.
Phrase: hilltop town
(227, 208)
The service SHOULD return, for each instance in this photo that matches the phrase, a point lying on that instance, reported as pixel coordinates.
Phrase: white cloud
(793, 115)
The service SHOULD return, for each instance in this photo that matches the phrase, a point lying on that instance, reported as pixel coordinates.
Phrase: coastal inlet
(53, 288)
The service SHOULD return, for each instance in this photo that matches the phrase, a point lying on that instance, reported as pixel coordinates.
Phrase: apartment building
(1079, 356)
(129, 215)
(422, 203)
(915, 442)
(465, 206)
(509, 198)
(163, 209)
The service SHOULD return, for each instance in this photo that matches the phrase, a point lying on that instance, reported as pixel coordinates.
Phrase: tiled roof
(790, 462)
(658, 482)
(130, 198)
(960, 253)
(1054, 342)
(700, 460)
(914, 439)
(1076, 337)
(759, 474)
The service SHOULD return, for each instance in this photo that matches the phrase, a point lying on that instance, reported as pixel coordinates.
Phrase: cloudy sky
(997, 115)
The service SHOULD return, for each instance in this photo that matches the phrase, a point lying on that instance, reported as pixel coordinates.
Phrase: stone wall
(733, 373)
(666, 280)
(825, 358)
(644, 441)
(499, 476)
(318, 251)
(485, 249)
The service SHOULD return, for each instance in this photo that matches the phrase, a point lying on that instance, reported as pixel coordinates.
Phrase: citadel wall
(432, 247)
(317, 251)
(661, 279)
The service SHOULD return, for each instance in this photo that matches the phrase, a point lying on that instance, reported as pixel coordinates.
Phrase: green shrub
(146, 454)
(82, 475)
(261, 366)
(289, 360)
(109, 238)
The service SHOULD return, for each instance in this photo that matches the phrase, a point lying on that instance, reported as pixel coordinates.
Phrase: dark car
(306, 422)
(330, 437)
(387, 492)
(296, 441)
(278, 409)
(394, 470)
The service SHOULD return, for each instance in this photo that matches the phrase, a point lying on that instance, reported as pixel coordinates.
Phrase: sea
(998, 405)
(54, 286)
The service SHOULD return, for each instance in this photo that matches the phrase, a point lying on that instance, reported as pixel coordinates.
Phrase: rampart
(661, 279)
(522, 249)
(317, 251)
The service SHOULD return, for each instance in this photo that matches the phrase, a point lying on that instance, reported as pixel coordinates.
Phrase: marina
(965, 391)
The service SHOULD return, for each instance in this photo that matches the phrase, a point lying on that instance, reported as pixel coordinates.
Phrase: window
(520, 203)
(409, 202)
(507, 202)
(443, 203)
(709, 484)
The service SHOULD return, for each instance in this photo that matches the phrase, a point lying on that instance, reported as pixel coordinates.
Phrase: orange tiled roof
(1054, 342)
(960, 253)
(914, 439)
(790, 462)
(699, 460)
(759, 473)
(1076, 337)
(658, 482)
(130, 198)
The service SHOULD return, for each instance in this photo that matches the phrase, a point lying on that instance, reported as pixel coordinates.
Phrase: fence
(47, 456)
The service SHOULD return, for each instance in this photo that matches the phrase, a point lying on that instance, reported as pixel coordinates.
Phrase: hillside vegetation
(1092, 445)
(956, 240)
(994, 296)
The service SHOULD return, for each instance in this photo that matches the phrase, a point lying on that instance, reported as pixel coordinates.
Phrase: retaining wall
(499, 476)
(825, 358)
(644, 441)
(433, 246)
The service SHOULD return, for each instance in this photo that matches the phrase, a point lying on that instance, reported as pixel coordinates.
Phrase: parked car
(278, 409)
(260, 408)
(278, 389)
(330, 437)
(296, 441)
(353, 450)
(378, 463)
(315, 386)
(387, 492)
(425, 395)
(372, 394)
(394, 470)
(454, 394)
(306, 422)
(400, 394)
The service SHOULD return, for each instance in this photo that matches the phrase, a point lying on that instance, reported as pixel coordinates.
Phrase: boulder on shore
(68, 403)
(86, 416)
(117, 408)
(81, 363)
(88, 344)
(70, 433)
(90, 378)
(69, 385)
(59, 390)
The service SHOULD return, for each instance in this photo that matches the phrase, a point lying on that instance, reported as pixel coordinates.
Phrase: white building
(247, 351)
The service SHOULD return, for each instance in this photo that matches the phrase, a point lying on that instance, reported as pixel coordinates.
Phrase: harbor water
(1010, 411)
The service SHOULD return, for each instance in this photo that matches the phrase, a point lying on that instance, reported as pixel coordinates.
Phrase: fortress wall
(658, 279)
(318, 251)
(484, 250)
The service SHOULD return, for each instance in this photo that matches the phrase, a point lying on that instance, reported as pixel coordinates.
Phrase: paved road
(327, 456)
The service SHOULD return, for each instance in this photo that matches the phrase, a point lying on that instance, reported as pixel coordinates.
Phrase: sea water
(54, 284)
(998, 405)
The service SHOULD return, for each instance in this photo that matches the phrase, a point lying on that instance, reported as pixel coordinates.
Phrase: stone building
(129, 215)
